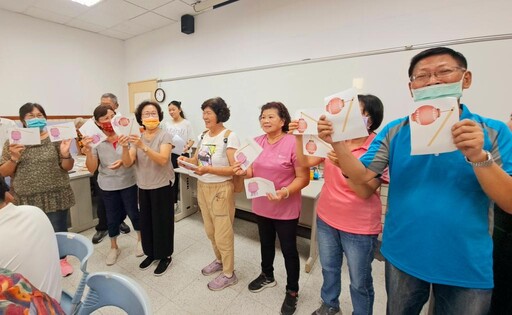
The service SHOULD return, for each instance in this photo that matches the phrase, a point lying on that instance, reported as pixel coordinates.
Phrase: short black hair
(374, 107)
(219, 107)
(138, 111)
(3, 189)
(282, 111)
(28, 108)
(101, 110)
(461, 60)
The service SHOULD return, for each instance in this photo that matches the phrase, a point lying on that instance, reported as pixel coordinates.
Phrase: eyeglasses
(424, 77)
(154, 114)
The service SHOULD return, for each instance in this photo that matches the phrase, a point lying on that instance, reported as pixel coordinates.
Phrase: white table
(82, 216)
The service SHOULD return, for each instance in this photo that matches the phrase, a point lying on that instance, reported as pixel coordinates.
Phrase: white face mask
(438, 90)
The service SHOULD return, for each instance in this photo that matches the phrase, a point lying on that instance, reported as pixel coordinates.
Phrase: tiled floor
(182, 290)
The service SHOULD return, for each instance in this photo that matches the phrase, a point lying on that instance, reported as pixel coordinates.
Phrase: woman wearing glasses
(40, 173)
(150, 154)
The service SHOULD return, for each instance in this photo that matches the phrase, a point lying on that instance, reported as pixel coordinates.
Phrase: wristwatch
(485, 163)
(145, 149)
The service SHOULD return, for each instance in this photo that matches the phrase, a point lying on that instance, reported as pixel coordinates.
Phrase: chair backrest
(114, 289)
(81, 247)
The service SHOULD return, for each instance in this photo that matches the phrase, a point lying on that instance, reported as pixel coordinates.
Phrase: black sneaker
(326, 310)
(146, 263)
(162, 266)
(99, 236)
(290, 303)
(124, 228)
(261, 283)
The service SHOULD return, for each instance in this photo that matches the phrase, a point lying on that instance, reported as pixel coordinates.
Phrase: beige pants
(217, 204)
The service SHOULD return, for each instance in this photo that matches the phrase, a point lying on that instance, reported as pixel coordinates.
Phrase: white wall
(251, 33)
(64, 69)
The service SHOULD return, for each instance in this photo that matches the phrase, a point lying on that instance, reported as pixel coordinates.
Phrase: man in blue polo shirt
(437, 229)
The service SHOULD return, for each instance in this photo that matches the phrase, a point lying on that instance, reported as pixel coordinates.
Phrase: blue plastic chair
(81, 247)
(114, 289)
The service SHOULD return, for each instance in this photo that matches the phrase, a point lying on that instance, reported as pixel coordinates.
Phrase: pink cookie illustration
(242, 158)
(54, 132)
(253, 188)
(335, 106)
(311, 146)
(16, 135)
(95, 138)
(303, 125)
(425, 115)
(123, 121)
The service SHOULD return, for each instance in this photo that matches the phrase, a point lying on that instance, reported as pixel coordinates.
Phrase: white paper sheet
(247, 153)
(258, 187)
(90, 129)
(342, 109)
(61, 132)
(431, 122)
(125, 126)
(25, 136)
(314, 146)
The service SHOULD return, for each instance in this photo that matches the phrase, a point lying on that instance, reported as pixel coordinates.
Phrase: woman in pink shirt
(279, 213)
(348, 221)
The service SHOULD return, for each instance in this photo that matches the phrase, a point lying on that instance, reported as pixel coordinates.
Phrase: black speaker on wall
(187, 24)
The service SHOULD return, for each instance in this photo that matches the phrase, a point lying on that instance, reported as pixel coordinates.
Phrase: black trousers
(286, 230)
(157, 222)
(100, 205)
(501, 302)
(176, 186)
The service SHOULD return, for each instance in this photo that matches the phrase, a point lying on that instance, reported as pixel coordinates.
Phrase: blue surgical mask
(437, 91)
(36, 123)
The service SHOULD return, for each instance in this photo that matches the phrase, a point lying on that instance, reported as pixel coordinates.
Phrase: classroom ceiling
(120, 19)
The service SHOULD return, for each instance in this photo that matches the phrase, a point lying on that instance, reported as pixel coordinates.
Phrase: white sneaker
(139, 252)
(112, 256)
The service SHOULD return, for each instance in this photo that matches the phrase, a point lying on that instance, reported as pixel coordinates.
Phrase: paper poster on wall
(61, 132)
(247, 153)
(125, 126)
(90, 129)
(141, 97)
(24, 136)
(431, 122)
(314, 146)
(342, 109)
(258, 187)
(308, 121)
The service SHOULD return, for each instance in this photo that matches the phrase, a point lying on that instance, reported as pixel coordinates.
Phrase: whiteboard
(305, 85)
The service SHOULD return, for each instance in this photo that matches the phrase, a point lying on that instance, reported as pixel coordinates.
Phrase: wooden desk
(188, 206)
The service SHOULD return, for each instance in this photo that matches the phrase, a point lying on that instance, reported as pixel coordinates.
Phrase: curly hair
(282, 112)
(219, 107)
(138, 111)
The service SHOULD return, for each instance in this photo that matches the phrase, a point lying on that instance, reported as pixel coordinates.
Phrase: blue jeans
(408, 294)
(358, 249)
(118, 203)
(59, 220)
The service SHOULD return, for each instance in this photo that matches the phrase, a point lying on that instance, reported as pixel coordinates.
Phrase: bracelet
(485, 163)
(69, 157)
(287, 192)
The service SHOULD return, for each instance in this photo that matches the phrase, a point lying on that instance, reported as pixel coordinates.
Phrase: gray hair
(111, 96)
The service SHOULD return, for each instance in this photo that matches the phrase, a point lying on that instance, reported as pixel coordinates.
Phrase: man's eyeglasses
(424, 77)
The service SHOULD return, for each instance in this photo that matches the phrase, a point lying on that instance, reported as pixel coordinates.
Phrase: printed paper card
(187, 165)
(342, 109)
(314, 146)
(178, 144)
(248, 153)
(25, 136)
(90, 129)
(430, 122)
(61, 132)
(308, 121)
(258, 187)
(125, 125)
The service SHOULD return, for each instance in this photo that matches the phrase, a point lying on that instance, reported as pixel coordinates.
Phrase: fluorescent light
(88, 3)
